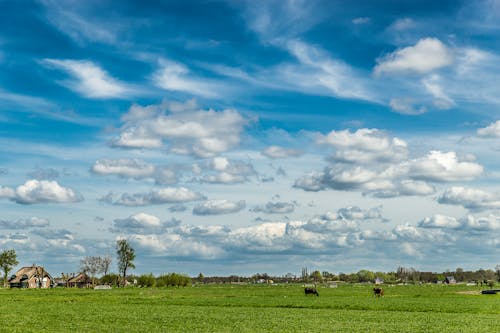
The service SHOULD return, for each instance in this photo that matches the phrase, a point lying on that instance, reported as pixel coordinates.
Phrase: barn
(81, 280)
(31, 277)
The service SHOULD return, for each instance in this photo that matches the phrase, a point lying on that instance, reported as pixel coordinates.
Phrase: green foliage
(316, 276)
(173, 279)
(125, 255)
(8, 259)
(110, 279)
(146, 280)
(253, 308)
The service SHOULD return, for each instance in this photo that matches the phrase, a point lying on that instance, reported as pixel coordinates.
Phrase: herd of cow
(377, 292)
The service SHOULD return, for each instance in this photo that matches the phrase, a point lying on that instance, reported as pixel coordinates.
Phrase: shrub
(173, 279)
(146, 280)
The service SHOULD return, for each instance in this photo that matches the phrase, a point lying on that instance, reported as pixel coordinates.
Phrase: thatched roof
(81, 277)
(26, 273)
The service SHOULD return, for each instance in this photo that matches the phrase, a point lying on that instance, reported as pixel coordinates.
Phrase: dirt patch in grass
(469, 292)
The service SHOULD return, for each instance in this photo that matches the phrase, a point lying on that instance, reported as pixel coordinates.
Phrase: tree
(8, 259)
(316, 276)
(105, 263)
(126, 256)
(92, 266)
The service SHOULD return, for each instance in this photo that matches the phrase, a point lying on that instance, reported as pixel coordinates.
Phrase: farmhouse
(450, 280)
(31, 277)
(81, 280)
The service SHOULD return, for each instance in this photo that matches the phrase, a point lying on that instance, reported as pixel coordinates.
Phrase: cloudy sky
(234, 137)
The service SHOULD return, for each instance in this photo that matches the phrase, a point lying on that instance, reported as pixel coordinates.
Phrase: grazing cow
(312, 291)
(377, 292)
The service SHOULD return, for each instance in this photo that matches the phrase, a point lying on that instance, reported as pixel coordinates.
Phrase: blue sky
(234, 137)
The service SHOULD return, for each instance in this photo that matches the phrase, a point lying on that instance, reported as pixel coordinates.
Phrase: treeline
(401, 275)
(147, 280)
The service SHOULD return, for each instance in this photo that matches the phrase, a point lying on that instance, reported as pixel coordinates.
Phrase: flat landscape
(252, 308)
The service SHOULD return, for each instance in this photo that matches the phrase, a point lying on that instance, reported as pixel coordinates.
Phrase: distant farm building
(31, 277)
(379, 281)
(81, 280)
(450, 280)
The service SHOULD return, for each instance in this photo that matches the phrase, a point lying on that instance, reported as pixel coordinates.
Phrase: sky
(242, 137)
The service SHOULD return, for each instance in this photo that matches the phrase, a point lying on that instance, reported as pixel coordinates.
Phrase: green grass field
(228, 308)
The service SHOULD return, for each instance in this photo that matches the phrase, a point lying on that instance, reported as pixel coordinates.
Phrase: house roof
(28, 272)
(81, 277)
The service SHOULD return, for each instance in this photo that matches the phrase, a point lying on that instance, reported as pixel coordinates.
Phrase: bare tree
(105, 263)
(8, 259)
(91, 266)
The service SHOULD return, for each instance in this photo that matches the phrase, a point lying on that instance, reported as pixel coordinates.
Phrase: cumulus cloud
(490, 131)
(364, 146)
(440, 221)
(128, 168)
(470, 198)
(155, 197)
(220, 170)
(426, 56)
(143, 223)
(467, 223)
(390, 176)
(443, 167)
(88, 79)
(275, 208)
(40, 191)
(202, 133)
(276, 152)
(32, 222)
(218, 207)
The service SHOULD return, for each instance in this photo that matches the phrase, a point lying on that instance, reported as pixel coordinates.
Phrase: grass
(229, 308)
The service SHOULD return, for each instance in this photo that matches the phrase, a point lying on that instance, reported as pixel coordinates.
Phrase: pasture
(256, 308)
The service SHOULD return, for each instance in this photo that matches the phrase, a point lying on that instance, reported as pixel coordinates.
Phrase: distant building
(450, 280)
(81, 280)
(379, 281)
(31, 277)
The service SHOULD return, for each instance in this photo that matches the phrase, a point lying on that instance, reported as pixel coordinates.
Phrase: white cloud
(32, 222)
(128, 168)
(280, 152)
(89, 79)
(218, 207)
(361, 20)
(406, 106)
(275, 208)
(470, 198)
(434, 86)
(443, 167)
(469, 223)
(426, 56)
(317, 70)
(220, 170)
(490, 131)
(440, 221)
(364, 146)
(402, 24)
(176, 77)
(202, 133)
(142, 223)
(40, 191)
(69, 18)
(156, 197)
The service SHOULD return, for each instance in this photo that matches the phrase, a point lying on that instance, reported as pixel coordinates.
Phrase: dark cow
(377, 292)
(312, 291)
